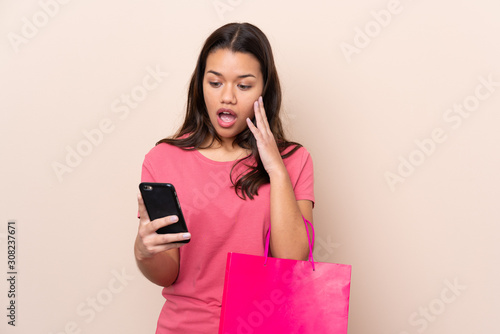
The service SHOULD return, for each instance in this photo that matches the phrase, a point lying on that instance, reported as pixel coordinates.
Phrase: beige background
(407, 189)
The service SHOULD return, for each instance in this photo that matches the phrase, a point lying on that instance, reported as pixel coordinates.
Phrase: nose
(228, 95)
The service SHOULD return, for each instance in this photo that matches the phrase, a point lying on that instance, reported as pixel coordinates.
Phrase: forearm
(288, 231)
(162, 268)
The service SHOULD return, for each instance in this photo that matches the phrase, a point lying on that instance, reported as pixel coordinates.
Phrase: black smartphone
(161, 200)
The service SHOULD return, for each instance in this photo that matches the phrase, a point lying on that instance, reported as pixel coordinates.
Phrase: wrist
(278, 174)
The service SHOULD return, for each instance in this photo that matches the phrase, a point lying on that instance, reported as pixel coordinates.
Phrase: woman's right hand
(149, 243)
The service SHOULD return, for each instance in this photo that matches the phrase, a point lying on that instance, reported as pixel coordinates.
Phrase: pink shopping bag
(270, 295)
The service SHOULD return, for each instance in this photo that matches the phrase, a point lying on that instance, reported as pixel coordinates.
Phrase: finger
(263, 121)
(173, 238)
(259, 117)
(165, 247)
(154, 243)
(253, 129)
(162, 242)
(162, 222)
(256, 111)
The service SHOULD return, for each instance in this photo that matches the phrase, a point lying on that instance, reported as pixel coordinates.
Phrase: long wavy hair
(245, 38)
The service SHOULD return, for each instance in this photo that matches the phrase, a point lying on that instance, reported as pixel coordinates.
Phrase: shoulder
(164, 149)
(298, 163)
(300, 156)
(165, 155)
(164, 161)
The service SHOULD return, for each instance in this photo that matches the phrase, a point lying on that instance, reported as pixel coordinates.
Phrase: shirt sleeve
(147, 174)
(302, 175)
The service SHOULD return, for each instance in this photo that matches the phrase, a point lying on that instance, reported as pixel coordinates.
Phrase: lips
(226, 117)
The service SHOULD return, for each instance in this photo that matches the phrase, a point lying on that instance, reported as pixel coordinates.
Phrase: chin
(228, 134)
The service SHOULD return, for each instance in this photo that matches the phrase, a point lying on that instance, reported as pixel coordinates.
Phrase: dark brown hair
(245, 38)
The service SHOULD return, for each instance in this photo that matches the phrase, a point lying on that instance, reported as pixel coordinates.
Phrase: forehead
(227, 63)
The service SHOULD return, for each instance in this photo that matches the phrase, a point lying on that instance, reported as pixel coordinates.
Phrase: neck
(226, 144)
(225, 150)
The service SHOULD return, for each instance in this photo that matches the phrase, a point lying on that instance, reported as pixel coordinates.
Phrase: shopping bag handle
(311, 242)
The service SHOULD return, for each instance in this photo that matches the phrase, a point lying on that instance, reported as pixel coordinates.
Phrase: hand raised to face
(266, 144)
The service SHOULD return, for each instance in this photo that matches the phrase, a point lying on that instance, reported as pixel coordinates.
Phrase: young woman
(235, 174)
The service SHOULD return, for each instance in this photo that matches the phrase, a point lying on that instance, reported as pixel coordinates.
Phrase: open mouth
(226, 117)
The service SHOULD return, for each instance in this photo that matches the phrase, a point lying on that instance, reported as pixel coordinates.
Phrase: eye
(214, 84)
(244, 87)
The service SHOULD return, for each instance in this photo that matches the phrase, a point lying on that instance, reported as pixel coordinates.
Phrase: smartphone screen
(161, 200)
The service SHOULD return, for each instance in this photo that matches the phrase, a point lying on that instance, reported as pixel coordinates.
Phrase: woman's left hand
(266, 144)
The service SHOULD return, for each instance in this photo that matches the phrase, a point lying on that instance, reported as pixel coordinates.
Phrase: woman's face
(231, 84)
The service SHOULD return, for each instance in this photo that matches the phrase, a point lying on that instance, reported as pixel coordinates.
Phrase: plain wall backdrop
(397, 101)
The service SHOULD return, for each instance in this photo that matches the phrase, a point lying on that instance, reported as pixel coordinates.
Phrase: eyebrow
(239, 76)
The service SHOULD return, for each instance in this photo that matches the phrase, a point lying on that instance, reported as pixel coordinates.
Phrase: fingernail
(186, 235)
(260, 99)
(173, 218)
